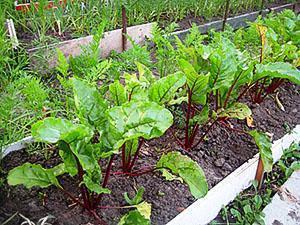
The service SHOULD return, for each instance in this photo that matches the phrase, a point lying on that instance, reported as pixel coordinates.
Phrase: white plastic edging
(17, 146)
(206, 209)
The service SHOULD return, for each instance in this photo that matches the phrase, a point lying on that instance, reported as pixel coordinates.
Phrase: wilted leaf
(249, 120)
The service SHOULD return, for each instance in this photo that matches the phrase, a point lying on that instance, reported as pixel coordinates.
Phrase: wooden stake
(12, 33)
(226, 14)
(262, 6)
(124, 28)
(260, 173)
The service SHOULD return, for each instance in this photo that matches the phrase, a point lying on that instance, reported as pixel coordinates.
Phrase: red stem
(141, 142)
(231, 89)
(187, 120)
(203, 136)
(84, 191)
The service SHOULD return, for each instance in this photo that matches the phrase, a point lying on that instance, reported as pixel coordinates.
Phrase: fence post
(226, 14)
(124, 28)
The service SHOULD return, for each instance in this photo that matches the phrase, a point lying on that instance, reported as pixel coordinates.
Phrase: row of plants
(112, 114)
(248, 207)
(79, 18)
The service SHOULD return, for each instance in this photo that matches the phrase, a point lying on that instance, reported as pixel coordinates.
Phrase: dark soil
(219, 155)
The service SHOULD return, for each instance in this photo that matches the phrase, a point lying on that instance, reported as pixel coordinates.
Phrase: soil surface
(221, 153)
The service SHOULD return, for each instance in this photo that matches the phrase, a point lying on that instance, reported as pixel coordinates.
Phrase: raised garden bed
(133, 111)
(217, 158)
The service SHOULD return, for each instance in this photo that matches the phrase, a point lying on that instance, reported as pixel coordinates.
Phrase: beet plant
(215, 74)
(107, 126)
(274, 44)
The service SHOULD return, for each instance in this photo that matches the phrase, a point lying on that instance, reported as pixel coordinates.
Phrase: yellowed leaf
(262, 30)
(145, 209)
(250, 121)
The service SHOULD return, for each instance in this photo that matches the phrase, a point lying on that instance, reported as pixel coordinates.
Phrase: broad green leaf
(139, 119)
(31, 175)
(278, 70)
(134, 217)
(90, 104)
(169, 176)
(238, 111)
(117, 93)
(197, 83)
(264, 145)
(51, 130)
(138, 198)
(224, 63)
(163, 90)
(188, 170)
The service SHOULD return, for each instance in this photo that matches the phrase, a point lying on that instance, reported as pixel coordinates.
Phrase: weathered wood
(111, 41)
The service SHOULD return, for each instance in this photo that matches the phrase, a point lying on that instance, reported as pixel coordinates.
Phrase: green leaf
(134, 218)
(137, 198)
(117, 93)
(278, 70)
(136, 88)
(68, 157)
(58, 170)
(197, 83)
(145, 72)
(51, 130)
(202, 117)
(32, 175)
(94, 186)
(169, 176)
(224, 63)
(188, 170)
(90, 104)
(238, 111)
(62, 63)
(264, 145)
(163, 90)
(139, 119)
(294, 166)
(145, 209)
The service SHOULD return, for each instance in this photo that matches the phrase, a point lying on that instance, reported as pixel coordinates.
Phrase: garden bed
(221, 154)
